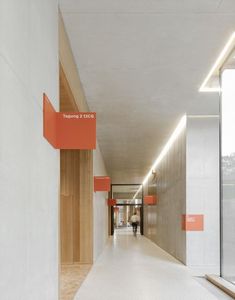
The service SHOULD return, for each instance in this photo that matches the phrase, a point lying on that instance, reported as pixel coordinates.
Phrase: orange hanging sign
(150, 200)
(102, 183)
(49, 122)
(68, 130)
(111, 202)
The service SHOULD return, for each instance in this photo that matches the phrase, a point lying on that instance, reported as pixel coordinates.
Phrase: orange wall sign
(111, 202)
(102, 183)
(68, 130)
(193, 222)
(150, 200)
(49, 122)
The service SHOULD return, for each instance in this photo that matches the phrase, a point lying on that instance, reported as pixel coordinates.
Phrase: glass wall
(228, 174)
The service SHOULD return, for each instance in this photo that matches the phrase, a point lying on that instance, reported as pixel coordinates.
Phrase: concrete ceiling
(124, 191)
(141, 64)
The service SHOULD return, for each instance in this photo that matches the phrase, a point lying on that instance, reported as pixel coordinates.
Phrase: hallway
(136, 269)
(115, 114)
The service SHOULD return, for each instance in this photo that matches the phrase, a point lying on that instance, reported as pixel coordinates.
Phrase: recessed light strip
(217, 65)
(203, 116)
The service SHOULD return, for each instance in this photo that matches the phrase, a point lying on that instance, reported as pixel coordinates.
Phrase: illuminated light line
(220, 60)
(203, 116)
(173, 137)
(139, 189)
(209, 90)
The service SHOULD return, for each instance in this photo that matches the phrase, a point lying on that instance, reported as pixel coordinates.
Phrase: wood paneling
(67, 100)
(69, 208)
(66, 229)
(76, 168)
(76, 206)
(86, 206)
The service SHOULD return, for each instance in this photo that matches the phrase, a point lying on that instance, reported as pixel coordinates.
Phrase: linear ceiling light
(214, 72)
(202, 116)
(139, 189)
(173, 137)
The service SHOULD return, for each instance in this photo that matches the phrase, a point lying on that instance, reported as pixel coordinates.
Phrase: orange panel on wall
(102, 183)
(49, 122)
(68, 130)
(150, 200)
(193, 222)
(76, 130)
(111, 202)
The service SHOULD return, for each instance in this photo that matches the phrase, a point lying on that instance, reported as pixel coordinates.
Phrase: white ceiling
(141, 64)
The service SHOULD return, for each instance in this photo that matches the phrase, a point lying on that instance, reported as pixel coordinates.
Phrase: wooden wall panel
(86, 206)
(67, 229)
(67, 101)
(76, 208)
(69, 208)
(76, 166)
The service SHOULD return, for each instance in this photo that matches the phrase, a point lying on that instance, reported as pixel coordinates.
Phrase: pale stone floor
(134, 268)
(71, 277)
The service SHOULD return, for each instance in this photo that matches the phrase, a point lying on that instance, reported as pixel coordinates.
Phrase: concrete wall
(163, 221)
(100, 221)
(29, 166)
(187, 182)
(202, 190)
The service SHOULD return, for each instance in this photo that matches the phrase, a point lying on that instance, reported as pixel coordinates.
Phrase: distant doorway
(122, 218)
(129, 199)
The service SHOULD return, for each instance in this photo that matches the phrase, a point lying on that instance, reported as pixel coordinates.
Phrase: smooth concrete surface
(100, 208)
(134, 268)
(202, 193)
(187, 182)
(29, 166)
(163, 221)
(141, 64)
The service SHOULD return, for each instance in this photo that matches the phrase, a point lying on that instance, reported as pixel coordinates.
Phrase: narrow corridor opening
(128, 202)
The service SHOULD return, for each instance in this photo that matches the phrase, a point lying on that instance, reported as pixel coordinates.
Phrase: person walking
(134, 222)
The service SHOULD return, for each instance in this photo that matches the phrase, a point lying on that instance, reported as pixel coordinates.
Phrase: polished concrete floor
(133, 268)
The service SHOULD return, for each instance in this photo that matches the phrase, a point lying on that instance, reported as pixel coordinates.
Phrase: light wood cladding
(86, 205)
(67, 228)
(70, 206)
(76, 168)
(76, 212)
(67, 100)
